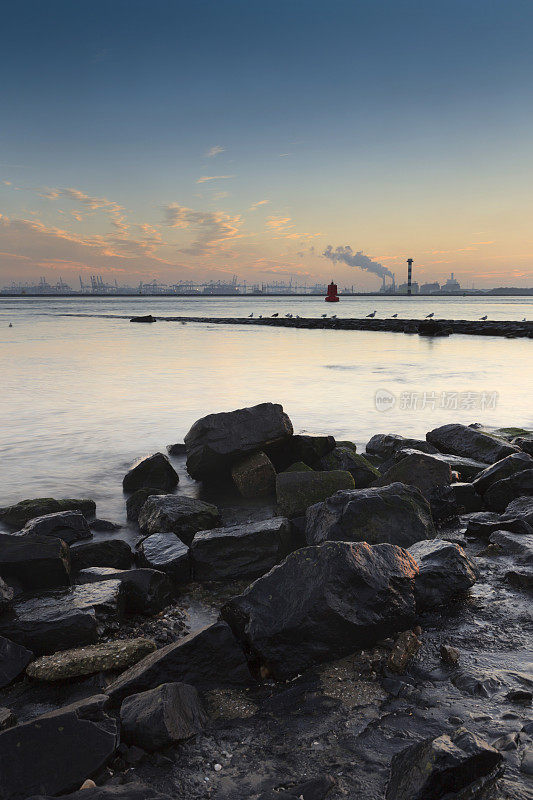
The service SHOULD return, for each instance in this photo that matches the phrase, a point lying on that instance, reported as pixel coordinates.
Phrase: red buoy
(332, 296)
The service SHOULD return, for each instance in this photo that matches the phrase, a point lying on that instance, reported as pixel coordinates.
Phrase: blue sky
(172, 139)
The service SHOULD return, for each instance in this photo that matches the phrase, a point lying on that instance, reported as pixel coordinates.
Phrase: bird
(484, 318)
(430, 316)
(10, 325)
(333, 316)
(289, 316)
(297, 316)
(275, 315)
(260, 316)
(250, 315)
(524, 319)
(394, 316)
(324, 316)
(373, 314)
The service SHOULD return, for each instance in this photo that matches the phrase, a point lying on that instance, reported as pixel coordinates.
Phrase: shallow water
(84, 397)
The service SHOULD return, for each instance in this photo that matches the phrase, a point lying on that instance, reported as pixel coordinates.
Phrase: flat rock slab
(518, 545)
(177, 514)
(153, 471)
(19, 514)
(116, 656)
(34, 562)
(14, 659)
(105, 553)
(517, 462)
(462, 440)
(385, 445)
(445, 572)
(71, 526)
(296, 491)
(146, 591)
(240, 551)
(421, 470)
(520, 510)
(467, 468)
(167, 553)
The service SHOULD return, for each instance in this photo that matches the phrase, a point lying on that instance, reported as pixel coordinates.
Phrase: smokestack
(409, 273)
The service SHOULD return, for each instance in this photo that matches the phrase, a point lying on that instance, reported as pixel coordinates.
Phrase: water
(84, 397)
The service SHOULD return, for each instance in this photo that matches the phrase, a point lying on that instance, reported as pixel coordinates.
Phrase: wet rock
(484, 523)
(500, 494)
(520, 579)
(107, 553)
(116, 656)
(177, 449)
(298, 466)
(510, 465)
(162, 716)
(13, 660)
(146, 591)
(519, 511)
(445, 572)
(345, 458)
(435, 768)
(450, 655)
(166, 553)
(405, 647)
(465, 498)
(520, 696)
(180, 515)
(70, 526)
(254, 475)
(506, 743)
(155, 470)
(135, 502)
(34, 562)
(462, 440)
(526, 765)
(518, 545)
(322, 603)
(217, 441)
(21, 513)
(7, 718)
(210, 657)
(476, 683)
(240, 551)
(386, 444)
(397, 514)
(314, 789)
(6, 596)
(104, 525)
(81, 737)
(128, 791)
(296, 491)
(146, 318)
(525, 443)
(421, 470)
(309, 449)
(467, 468)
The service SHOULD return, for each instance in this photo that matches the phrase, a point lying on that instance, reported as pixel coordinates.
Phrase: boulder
(207, 658)
(385, 445)
(135, 502)
(397, 514)
(71, 526)
(465, 498)
(6, 596)
(104, 525)
(177, 449)
(442, 767)
(34, 562)
(301, 447)
(519, 510)
(405, 647)
(298, 466)
(240, 551)
(146, 591)
(482, 524)
(181, 515)
(422, 470)
(344, 458)
(517, 462)
(217, 441)
(500, 494)
(127, 791)
(18, 515)
(462, 440)
(13, 660)
(467, 468)
(516, 544)
(445, 571)
(520, 579)
(104, 553)
(116, 656)
(525, 443)
(155, 470)
(146, 318)
(254, 475)
(56, 752)
(322, 603)
(162, 716)
(7, 718)
(166, 553)
(296, 491)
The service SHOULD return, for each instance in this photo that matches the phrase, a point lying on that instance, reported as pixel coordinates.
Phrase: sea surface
(83, 397)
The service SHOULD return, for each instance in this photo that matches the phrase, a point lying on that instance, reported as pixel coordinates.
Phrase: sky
(170, 140)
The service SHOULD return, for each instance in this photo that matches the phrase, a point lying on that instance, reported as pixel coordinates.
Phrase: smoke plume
(347, 256)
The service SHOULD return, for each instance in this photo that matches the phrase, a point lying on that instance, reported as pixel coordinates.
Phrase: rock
(445, 572)
(13, 660)
(465, 498)
(450, 655)
(313, 789)
(217, 441)
(128, 791)
(346, 459)
(146, 591)
(467, 468)
(18, 515)
(71, 526)
(146, 318)
(309, 449)
(34, 562)
(386, 445)
(104, 525)
(166, 553)
(526, 765)
(396, 514)
(520, 579)
(525, 443)
(517, 462)
(500, 494)
(484, 523)
(405, 647)
(519, 511)
(6, 596)
(57, 751)
(462, 440)
(178, 449)
(7, 718)
(135, 502)
(105, 553)
(322, 603)
(518, 545)
(476, 683)
(298, 466)
(254, 475)
(240, 551)
(162, 716)
(421, 470)
(296, 491)
(435, 768)
(209, 657)
(522, 697)
(181, 515)
(116, 656)
(155, 470)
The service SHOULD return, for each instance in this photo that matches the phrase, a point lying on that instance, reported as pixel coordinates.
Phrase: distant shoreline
(77, 295)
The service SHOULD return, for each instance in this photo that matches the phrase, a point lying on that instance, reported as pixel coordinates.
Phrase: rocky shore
(367, 628)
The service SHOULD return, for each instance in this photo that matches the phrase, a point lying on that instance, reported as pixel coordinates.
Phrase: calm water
(83, 397)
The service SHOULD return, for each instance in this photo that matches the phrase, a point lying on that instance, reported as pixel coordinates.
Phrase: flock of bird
(334, 316)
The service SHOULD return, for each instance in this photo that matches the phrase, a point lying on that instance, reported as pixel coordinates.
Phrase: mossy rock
(299, 466)
(296, 491)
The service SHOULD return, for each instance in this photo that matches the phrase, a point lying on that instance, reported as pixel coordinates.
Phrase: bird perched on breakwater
(275, 315)
(484, 318)
(333, 316)
(324, 316)
(289, 316)
(250, 315)
(10, 325)
(430, 316)
(260, 316)
(373, 314)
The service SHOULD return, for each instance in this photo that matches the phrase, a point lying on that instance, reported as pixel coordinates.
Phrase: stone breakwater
(369, 633)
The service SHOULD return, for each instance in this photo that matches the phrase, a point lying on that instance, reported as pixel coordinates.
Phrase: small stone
(218, 767)
(521, 696)
(449, 654)
(7, 718)
(88, 784)
(405, 647)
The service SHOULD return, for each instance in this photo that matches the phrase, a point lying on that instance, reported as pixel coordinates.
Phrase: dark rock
(522, 697)
(146, 591)
(18, 515)
(162, 716)
(181, 515)
(462, 440)
(217, 441)
(346, 459)
(7, 718)
(404, 649)
(433, 327)
(421, 470)
(476, 683)
(71, 526)
(435, 768)
(465, 498)
(484, 523)
(57, 751)
(254, 475)
(309, 449)
(166, 553)
(520, 579)
(135, 502)
(314, 789)
(450, 655)
(117, 656)
(13, 660)
(525, 443)
(145, 318)
(517, 462)
(467, 468)
(397, 514)
(178, 449)
(500, 494)
(106, 553)
(104, 525)
(155, 470)
(519, 511)
(207, 658)
(298, 466)
(34, 562)
(6, 596)
(296, 491)
(128, 791)
(322, 603)
(240, 551)
(518, 545)
(386, 445)
(445, 572)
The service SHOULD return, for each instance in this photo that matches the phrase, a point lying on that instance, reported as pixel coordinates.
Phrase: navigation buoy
(332, 296)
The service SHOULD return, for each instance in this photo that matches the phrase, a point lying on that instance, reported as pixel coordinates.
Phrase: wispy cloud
(206, 178)
(259, 203)
(212, 229)
(215, 151)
